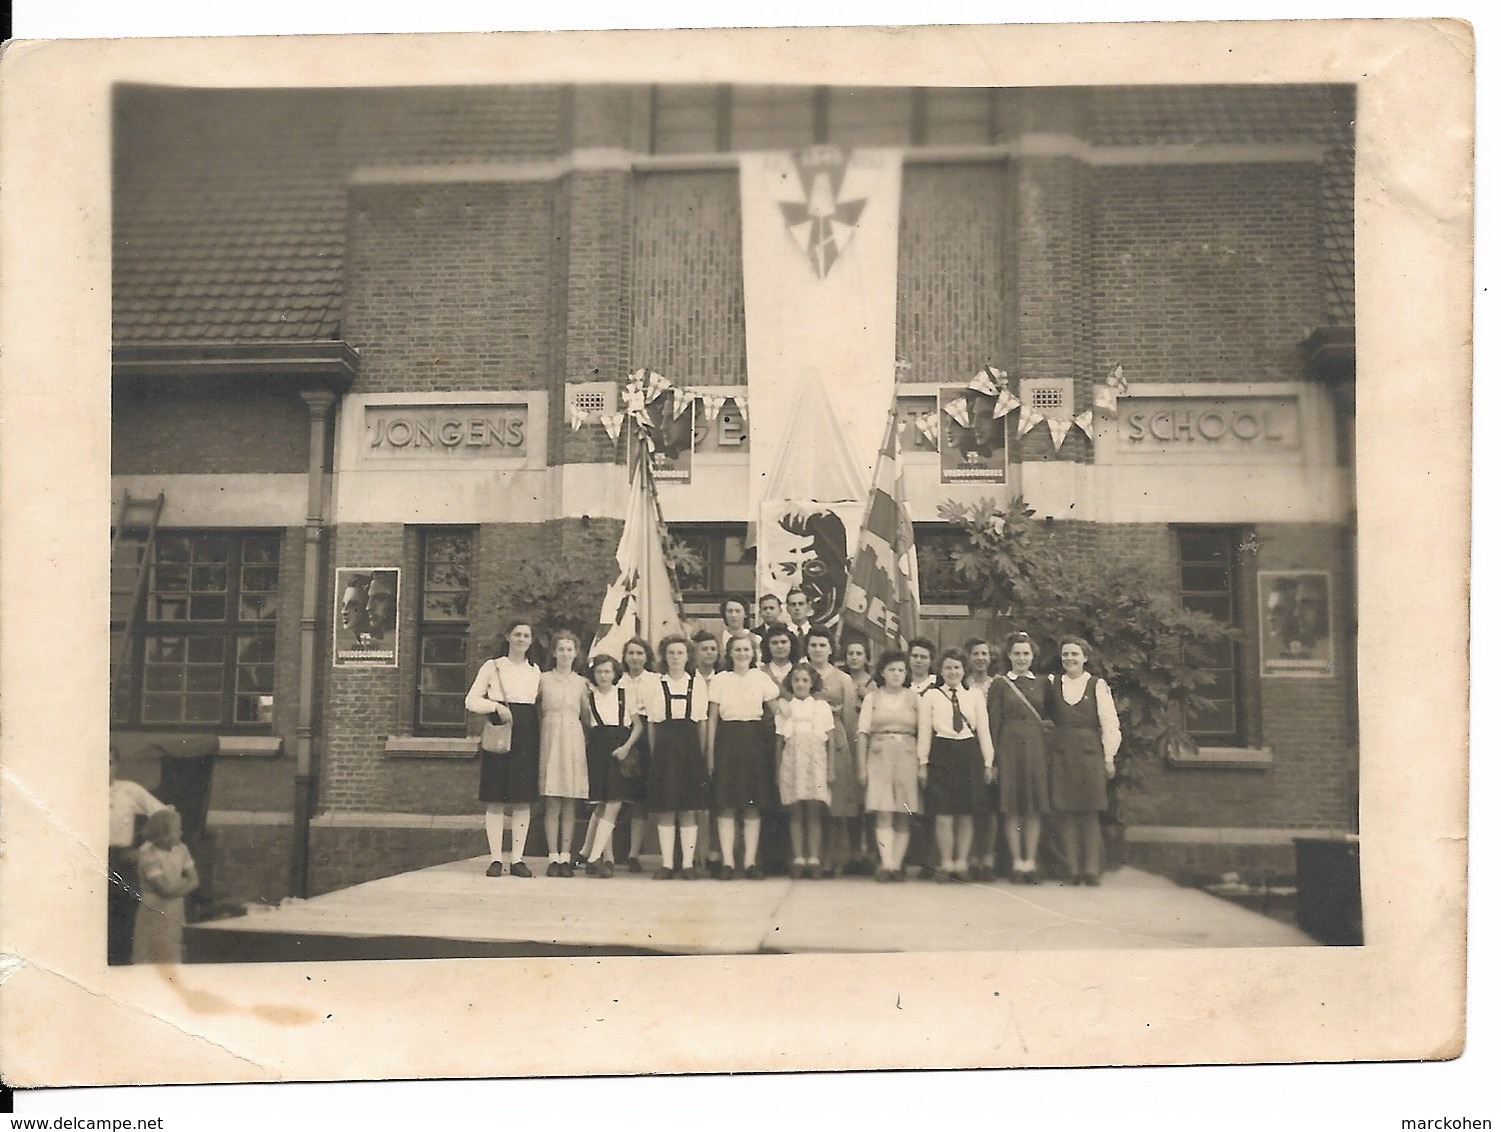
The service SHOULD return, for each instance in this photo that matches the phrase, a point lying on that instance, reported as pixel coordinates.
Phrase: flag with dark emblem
(642, 601)
(881, 601)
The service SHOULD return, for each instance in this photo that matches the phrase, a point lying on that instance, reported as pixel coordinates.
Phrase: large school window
(443, 630)
(1209, 582)
(722, 119)
(203, 653)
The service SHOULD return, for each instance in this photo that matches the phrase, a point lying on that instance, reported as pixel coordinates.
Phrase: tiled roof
(230, 204)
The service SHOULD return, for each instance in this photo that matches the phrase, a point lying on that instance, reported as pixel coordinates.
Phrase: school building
(364, 341)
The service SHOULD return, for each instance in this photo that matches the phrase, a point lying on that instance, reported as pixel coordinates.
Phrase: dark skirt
(740, 766)
(956, 777)
(512, 777)
(678, 778)
(1078, 770)
(1021, 768)
(607, 781)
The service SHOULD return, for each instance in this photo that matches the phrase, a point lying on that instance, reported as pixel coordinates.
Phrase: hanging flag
(818, 240)
(1085, 421)
(881, 601)
(1059, 428)
(642, 601)
(958, 408)
(1005, 403)
(984, 384)
(1030, 418)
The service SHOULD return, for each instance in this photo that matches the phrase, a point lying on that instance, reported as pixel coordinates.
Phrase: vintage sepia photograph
(754, 551)
(638, 386)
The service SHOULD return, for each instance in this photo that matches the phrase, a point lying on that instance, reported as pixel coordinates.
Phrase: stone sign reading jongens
(462, 431)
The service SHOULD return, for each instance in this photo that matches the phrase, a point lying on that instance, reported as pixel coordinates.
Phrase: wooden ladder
(127, 579)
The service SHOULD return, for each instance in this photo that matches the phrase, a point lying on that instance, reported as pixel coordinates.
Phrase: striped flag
(881, 601)
(642, 601)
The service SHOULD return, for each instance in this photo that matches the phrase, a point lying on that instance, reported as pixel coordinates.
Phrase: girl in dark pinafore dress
(678, 786)
(1019, 705)
(1085, 742)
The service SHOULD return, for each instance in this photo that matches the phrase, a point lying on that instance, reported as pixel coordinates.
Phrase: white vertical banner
(819, 245)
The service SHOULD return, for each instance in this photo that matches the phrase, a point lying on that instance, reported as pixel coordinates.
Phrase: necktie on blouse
(958, 715)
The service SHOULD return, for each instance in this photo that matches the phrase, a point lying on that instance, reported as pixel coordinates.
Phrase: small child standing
(167, 874)
(804, 731)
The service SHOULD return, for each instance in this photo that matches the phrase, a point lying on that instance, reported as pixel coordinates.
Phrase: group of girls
(766, 728)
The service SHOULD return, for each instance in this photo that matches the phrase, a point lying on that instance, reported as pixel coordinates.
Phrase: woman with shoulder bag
(505, 693)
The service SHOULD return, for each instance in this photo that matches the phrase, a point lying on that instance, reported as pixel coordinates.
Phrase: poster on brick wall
(365, 620)
(972, 439)
(1296, 637)
(673, 418)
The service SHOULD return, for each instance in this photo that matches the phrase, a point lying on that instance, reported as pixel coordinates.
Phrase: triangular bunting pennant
(984, 383)
(1007, 402)
(927, 425)
(1085, 421)
(681, 399)
(1059, 429)
(958, 408)
(1030, 418)
(577, 415)
(612, 423)
(713, 404)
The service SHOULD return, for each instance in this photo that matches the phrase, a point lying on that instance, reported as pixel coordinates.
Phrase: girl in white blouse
(738, 702)
(506, 690)
(955, 761)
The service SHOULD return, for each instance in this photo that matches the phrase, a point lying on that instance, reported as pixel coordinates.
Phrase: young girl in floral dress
(805, 728)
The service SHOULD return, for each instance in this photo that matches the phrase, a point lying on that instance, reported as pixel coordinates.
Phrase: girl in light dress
(616, 726)
(679, 782)
(738, 702)
(563, 763)
(846, 799)
(805, 729)
(887, 763)
(506, 689)
(166, 874)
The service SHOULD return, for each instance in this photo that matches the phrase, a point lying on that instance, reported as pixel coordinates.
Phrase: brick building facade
(296, 269)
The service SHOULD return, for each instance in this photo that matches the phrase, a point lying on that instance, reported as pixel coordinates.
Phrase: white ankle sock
(668, 836)
(752, 840)
(727, 837)
(689, 834)
(495, 834)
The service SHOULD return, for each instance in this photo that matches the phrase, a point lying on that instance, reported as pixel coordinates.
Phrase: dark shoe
(725, 873)
(496, 869)
(1019, 877)
(664, 873)
(754, 873)
(607, 869)
(565, 870)
(1071, 881)
(884, 876)
(552, 869)
(634, 865)
(898, 875)
(1092, 881)
(519, 869)
(594, 869)
(797, 872)
(1033, 877)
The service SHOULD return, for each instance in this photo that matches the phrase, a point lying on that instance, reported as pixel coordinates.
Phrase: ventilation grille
(1044, 400)
(589, 400)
